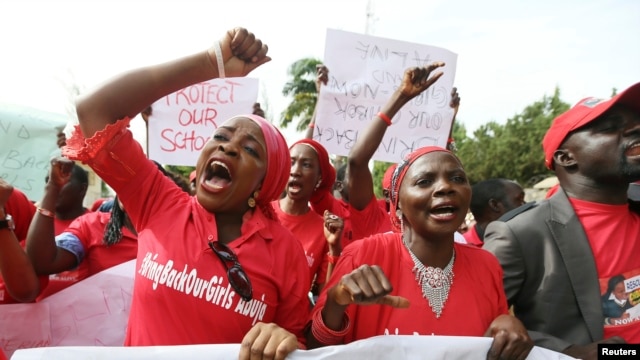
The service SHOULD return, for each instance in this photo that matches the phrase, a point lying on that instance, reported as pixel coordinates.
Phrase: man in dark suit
(559, 254)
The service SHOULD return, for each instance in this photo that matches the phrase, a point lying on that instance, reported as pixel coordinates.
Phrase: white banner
(363, 73)
(181, 123)
(379, 347)
(88, 320)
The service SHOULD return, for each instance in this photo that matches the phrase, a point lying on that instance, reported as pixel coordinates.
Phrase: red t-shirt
(475, 299)
(358, 224)
(309, 230)
(383, 205)
(64, 279)
(89, 229)
(181, 290)
(339, 208)
(614, 235)
(370, 220)
(472, 238)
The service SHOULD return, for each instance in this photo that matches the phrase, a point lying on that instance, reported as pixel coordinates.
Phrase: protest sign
(28, 138)
(24, 326)
(181, 123)
(380, 347)
(363, 73)
(92, 312)
(88, 319)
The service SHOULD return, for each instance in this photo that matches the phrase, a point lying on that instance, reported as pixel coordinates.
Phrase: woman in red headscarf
(216, 267)
(421, 280)
(364, 215)
(311, 177)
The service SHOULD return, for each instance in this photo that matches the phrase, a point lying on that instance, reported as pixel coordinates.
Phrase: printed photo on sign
(620, 299)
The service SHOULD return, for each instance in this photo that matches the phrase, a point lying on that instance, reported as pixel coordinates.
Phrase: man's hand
(510, 339)
(590, 351)
(60, 172)
(455, 101)
(322, 76)
(61, 139)
(257, 110)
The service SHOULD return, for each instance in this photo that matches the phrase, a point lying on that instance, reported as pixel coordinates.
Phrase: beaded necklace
(435, 282)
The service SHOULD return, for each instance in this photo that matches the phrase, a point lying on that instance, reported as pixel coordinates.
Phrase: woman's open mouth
(217, 175)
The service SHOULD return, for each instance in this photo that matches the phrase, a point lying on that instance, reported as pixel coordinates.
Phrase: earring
(252, 199)
(318, 184)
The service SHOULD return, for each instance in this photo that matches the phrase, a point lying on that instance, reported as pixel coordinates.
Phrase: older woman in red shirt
(417, 280)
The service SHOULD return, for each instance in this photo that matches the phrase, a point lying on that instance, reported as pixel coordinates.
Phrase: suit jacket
(550, 275)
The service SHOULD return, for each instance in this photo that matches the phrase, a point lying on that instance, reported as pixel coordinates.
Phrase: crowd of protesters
(273, 227)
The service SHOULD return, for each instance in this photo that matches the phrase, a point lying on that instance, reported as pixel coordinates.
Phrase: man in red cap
(559, 255)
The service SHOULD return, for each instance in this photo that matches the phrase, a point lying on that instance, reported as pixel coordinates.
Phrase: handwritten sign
(28, 138)
(379, 347)
(24, 326)
(92, 312)
(364, 71)
(181, 123)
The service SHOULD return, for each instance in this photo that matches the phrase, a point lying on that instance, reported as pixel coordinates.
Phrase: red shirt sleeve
(22, 211)
(370, 220)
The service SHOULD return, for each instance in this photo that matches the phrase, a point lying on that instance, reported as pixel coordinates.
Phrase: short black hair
(484, 191)
(79, 174)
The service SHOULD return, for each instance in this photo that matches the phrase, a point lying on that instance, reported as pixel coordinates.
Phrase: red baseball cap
(584, 112)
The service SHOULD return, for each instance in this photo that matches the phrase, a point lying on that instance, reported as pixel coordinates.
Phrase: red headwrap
(398, 176)
(327, 171)
(386, 179)
(278, 159)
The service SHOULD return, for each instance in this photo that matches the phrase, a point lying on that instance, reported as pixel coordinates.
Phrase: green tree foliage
(459, 134)
(512, 150)
(302, 87)
(179, 169)
(379, 168)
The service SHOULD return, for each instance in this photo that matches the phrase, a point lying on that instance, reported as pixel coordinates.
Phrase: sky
(510, 53)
